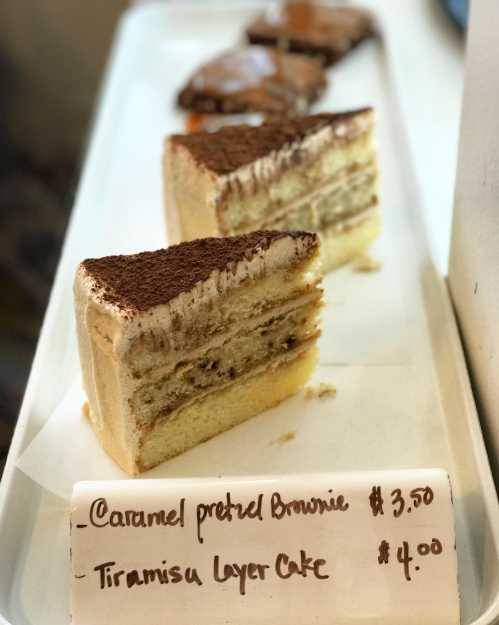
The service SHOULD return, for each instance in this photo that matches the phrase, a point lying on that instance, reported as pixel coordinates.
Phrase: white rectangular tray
(390, 342)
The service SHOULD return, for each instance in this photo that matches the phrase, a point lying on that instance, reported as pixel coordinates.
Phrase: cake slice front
(180, 344)
(315, 173)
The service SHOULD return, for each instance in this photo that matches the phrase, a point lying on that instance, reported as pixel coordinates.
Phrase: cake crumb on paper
(85, 410)
(284, 438)
(321, 391)
(366, 263)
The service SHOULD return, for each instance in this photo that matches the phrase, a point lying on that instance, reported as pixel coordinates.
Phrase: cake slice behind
(316, 173)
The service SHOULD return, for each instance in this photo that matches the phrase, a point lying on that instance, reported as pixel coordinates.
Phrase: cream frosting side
(104, 379)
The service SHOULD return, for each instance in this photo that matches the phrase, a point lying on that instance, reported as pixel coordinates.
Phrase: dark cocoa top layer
(138, 282)
(300, 26)
(254, 79)
(233, 147)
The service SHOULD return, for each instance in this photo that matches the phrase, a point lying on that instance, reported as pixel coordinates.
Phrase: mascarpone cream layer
(166, 363)
(274, 363)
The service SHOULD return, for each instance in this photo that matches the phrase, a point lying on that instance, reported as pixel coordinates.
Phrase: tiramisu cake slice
(327, 32)
(314, 173)
(180, 344)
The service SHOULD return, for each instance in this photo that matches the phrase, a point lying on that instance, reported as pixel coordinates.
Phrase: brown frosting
(254, 79)
(138, 282)
(301, 26)
(233, 147)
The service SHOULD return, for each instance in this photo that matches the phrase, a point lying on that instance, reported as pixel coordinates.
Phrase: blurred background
(52, 55)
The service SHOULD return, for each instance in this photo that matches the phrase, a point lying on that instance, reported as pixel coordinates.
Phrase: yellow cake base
(224, 409)
(337, 248)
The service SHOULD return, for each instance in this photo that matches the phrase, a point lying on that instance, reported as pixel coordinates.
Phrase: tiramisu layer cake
(180, 344)
(314, 173)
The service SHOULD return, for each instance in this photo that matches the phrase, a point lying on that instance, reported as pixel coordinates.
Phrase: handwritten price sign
(265, 551)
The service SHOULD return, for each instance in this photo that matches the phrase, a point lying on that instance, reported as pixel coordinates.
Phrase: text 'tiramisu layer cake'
(316, 173)
(180, 344)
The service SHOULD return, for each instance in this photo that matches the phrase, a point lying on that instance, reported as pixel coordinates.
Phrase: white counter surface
(429, 64)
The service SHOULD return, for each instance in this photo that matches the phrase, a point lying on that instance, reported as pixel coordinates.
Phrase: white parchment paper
(353, 431)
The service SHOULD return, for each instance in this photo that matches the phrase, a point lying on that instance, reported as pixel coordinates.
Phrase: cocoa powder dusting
(138, 282)
(233, 147)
